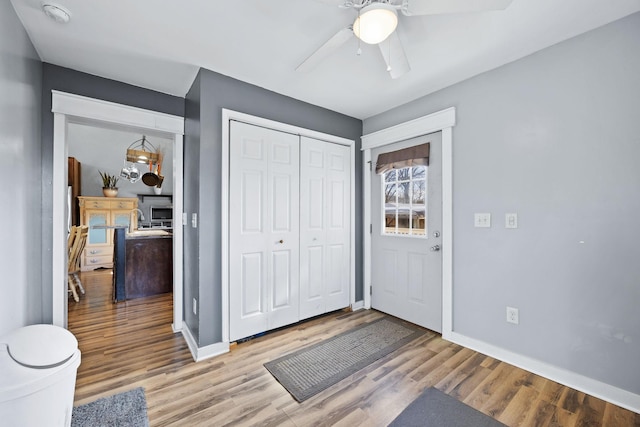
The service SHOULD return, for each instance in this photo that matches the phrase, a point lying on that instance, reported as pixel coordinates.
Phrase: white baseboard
(607, 392)
(201, 353)
(358, 305)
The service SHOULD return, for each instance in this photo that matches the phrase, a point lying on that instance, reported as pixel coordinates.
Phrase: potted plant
(109, 183)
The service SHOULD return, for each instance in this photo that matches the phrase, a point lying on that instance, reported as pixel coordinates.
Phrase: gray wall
(20, 86)
(554, 137)
(191, 204)
(216, 92)
(76, 82)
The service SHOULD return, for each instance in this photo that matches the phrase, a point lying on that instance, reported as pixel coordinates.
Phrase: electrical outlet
(194, 220)
(511, 220)
(195, 306)
(513, 315)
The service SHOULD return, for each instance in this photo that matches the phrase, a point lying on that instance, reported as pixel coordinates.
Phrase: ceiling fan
(377, 21)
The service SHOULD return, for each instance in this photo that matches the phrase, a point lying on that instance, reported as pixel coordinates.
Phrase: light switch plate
(511, 220)
(482, 220)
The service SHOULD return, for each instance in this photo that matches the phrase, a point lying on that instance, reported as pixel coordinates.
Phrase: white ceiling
(161, 44)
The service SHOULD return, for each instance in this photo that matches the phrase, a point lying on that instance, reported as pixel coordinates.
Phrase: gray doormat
(128, 409)
(435, 408)
(310, 370)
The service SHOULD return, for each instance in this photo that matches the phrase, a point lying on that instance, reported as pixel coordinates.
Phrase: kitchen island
(143, 263)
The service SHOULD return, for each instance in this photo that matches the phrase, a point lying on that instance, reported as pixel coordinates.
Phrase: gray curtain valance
(418, 155)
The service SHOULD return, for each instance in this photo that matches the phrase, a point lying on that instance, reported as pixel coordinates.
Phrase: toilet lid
(41, 346)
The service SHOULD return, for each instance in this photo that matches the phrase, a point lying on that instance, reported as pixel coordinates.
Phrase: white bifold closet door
(325, 226)
(264, 230)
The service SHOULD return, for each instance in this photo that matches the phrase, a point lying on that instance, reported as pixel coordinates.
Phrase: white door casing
(264, 232)
(444, 121)
(228, 210)
(325, 227)
(71, 108)
(407, 275)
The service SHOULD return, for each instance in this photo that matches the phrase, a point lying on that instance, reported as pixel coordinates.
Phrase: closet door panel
(263, 229)
(251, 202)
(338, 230)
(251, 284)
(324, 227)
(283, 308)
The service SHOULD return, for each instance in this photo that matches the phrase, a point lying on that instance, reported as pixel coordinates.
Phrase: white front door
(263, 229)
(406, 216)
(325, 227)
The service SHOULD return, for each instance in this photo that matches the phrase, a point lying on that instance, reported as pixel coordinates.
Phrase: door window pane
(405, 201)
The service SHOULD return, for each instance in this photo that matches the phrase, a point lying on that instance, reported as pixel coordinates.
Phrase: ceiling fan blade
(326, 49)
(334, 2)
(435, 7)
(394, 56)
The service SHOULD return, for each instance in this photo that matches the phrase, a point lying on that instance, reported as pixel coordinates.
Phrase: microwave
(161, 213)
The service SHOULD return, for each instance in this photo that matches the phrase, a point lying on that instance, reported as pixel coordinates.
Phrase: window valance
(418, 155)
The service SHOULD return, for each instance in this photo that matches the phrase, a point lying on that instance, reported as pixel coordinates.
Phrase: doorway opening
(441, 121)
(74, 109)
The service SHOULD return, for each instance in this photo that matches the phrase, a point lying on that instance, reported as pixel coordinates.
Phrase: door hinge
(370, 165)
(370, 228)
(370, 290)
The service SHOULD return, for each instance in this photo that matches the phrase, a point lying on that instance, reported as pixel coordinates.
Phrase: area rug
(310, 370)
(128, 409)
(435, 408)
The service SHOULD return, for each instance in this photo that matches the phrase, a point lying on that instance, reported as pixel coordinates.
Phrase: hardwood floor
(131, 344)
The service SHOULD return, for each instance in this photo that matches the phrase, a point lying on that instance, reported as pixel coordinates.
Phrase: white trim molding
(357, 306)
(441, 121)
(69, 108)
(86, 108)
(444, 121)
(201, 353)
(227, 116)
(424, 125)
(609, 393)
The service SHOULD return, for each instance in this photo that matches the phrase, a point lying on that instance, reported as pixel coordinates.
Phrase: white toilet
(38, 366)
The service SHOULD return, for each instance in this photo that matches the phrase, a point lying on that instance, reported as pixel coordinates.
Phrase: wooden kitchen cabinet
(102, 214)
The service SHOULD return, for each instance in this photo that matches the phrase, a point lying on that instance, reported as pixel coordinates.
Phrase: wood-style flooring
(131, 344)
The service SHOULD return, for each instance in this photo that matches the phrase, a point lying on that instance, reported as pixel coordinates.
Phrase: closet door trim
(229, 115)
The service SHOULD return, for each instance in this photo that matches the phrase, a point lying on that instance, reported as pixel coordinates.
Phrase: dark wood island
(143, 264)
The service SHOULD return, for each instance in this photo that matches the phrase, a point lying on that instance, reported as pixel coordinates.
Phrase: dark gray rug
(128, 409)
(310, 370)
(435, 408)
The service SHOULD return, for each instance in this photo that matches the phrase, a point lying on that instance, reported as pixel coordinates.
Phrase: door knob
(280, 241)
(436, 234)
(435, 248)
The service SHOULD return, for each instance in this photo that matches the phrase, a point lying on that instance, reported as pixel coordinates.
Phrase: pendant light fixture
(375, 22)
(140, 151)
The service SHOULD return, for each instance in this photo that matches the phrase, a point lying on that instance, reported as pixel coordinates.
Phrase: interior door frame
(228, 115)
(441, 121)
(69, 108)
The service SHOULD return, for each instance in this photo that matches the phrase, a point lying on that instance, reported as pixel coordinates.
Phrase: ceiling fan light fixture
(375, 23)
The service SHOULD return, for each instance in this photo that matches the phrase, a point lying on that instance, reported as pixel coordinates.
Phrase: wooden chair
(75, 245)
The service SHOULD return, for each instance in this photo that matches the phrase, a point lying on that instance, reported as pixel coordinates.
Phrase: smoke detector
(56, 12)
